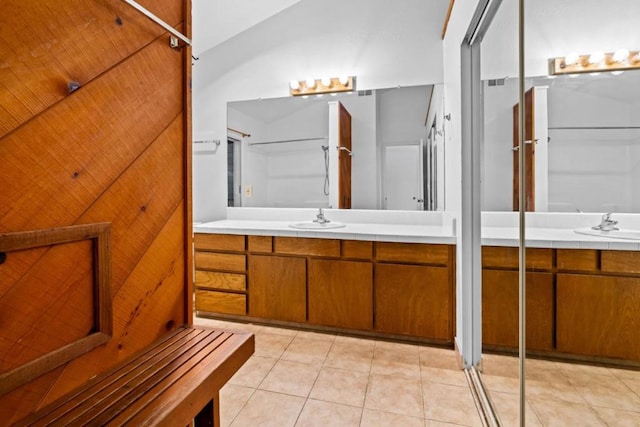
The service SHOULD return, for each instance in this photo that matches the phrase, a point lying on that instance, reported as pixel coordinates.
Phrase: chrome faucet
(607, 224)
(320, 219)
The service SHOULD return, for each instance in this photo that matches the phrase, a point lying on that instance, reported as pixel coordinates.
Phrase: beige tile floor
(299, 378)
(563, 394)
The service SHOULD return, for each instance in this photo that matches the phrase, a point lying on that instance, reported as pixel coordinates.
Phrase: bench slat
(124, 393)
(101, 386)
(178, 387)
(162, 385)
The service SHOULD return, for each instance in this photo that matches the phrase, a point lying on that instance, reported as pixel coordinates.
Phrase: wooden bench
(172, 382)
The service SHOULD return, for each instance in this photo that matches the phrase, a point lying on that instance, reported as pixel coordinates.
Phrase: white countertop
(372, 232)
(491, 236)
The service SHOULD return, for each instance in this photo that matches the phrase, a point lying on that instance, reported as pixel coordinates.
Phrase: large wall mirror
(283, 151)
(587, 143)
(582, 155)
(586, 127)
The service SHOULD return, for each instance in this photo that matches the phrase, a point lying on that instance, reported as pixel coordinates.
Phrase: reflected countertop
(537, 237)
(560, 238)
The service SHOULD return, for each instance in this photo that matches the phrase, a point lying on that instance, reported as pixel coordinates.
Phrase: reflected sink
(615, 234)
(310, 225)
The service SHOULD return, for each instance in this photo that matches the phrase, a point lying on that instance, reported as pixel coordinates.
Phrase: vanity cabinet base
(395, 290)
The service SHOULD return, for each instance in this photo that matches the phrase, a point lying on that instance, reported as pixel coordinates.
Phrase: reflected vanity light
(620, 60)
(321, 86)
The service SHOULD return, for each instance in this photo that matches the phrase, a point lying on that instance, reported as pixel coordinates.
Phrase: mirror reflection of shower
(325, 150)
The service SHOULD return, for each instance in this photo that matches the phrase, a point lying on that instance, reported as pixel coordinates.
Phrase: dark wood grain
(412, 253)
(599, 316)
(578, 259)
(357, 249)
(278, 288)
(508, 257)
(413, 300)
(344, 158)
(219, 242)
(341, 294)
(306, 246)
(500, 310)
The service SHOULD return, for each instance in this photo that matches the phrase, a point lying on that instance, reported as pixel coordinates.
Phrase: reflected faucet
(607, 224)
(320, 219)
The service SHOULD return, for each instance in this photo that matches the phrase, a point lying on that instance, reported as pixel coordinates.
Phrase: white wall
(383, 43)
(497, 159)
(555, 28)
(590, 169)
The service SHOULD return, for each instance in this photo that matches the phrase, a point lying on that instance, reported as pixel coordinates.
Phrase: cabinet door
(599, 315)
(413, 300)
(500, 316)
(341, 293)
(277, 288)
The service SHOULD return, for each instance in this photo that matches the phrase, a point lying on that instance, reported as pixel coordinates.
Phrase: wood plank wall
(117, 150)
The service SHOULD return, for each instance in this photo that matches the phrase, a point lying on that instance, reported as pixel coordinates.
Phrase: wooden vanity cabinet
(341, 293)
(500, 298)
(413, 300)
(277, 288)
(390, 288)
(220, 273)
(599, 315)
(414, 290)
(500, 309)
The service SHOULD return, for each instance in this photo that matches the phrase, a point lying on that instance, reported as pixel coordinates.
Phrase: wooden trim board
(99, 234)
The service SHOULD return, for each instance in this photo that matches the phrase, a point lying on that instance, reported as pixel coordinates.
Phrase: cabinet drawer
(412, 252)
(219, 242)
(260, 244)
(214, 280)
(221, 302)
(621, 261)
(507, 257)
(357, 249)
(577, 259)
(214, 261)
(306, 246)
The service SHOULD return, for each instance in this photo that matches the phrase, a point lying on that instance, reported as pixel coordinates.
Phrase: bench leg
(209, 416)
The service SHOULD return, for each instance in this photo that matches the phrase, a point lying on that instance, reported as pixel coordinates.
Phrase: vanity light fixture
(321, 86)
(618, 61)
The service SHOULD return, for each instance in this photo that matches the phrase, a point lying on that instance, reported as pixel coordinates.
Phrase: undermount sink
(615, 234)
(310, 225)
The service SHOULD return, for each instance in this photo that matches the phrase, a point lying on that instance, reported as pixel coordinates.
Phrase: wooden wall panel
(56, 295)
(75, 150)
(116, 150)
(46, 44)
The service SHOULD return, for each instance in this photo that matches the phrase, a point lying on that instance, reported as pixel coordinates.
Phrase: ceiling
(215, 21)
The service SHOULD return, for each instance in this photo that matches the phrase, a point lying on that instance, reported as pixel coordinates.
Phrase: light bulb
(343, 80)
(294, 85)
(326, 82)
(311, 83)
(596, 57)
(305, 96)
(621, 55)
(319, 95)
(573, 76)
(617, 73)
(571, 59)
(594, 74)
